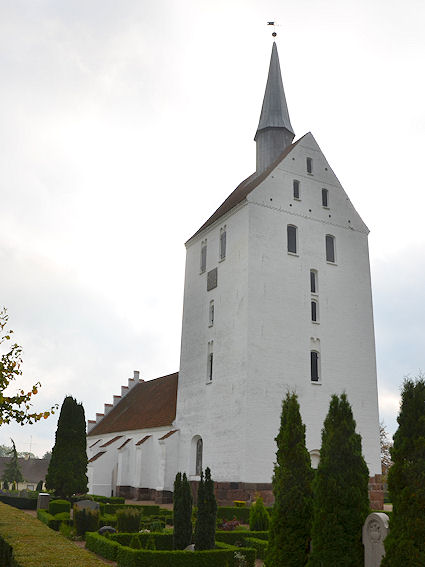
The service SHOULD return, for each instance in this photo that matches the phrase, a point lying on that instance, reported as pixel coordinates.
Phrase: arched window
(330, 248)
(198, 463)
(314, 364)
(291, 238)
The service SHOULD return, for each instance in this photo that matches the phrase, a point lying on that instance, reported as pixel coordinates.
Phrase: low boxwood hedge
(239, 536)
(222, 556)
(21, 502)
(163, 542)
(147, 510)
(260, 545)
(108, 500)
(26, 542)
(58, 506)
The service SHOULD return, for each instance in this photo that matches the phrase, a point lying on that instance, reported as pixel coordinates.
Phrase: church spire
(274, 131)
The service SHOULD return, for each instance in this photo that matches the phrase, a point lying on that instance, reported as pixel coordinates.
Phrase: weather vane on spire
(274, 34)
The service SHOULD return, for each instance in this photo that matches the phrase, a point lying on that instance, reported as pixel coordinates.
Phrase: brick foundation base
(227, 492)
(157, 496)
(376, 492)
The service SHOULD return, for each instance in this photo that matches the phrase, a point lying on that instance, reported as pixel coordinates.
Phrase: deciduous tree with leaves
(14, 407)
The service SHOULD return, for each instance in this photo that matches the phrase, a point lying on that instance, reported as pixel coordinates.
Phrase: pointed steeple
(274, 131)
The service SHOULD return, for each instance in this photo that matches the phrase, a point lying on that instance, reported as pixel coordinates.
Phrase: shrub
(58, 506)
(207, 512)
(239, 503)
(150, 544)
(182, 499)
(405, 544)
(19, 501)
(108, 499)
(104, 546)
(260, 545)
(128, 520)
(229, 513)
(85, 520)
(341, 501)
(108, 520)
(39, 487)
(258, 516)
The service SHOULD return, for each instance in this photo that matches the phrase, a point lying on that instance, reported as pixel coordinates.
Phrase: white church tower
(277, 297)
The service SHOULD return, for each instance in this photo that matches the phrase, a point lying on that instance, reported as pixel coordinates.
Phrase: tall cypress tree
(290, 527)
(341, 502)
(405, 544)
(182, 515)
(12, 471)
(68, 466)
(207, 513)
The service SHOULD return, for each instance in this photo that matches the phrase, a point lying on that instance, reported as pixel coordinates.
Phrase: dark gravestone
(106, 530)
(87, 505)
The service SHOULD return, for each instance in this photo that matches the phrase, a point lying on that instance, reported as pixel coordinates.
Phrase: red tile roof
(147, 404)
(145, 438)
(168, 434)
(111, 441)
(243, 189)
(96, 456)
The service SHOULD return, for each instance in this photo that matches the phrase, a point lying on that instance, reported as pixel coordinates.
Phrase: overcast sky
(124, 124)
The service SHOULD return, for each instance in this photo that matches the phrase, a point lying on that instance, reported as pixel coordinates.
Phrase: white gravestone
(375, 530)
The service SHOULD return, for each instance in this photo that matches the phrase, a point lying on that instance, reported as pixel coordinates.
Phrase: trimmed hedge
(107, 500)
(20, 502)
(239, 535)
(58, 506)
(163, 542)
(110, 548)
(48, 519)
(227, 513)
(26, 542)
(260, 545)
(147, 510)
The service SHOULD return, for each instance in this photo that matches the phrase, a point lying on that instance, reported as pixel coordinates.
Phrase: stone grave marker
(375, 530)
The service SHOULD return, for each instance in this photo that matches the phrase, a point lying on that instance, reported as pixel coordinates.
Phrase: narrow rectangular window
(314, 363)
(309, 163)
(210, 362)
(292, 238)
(325, 199)
(211, 314)
(222, 252)
(203, 256)
(313, 281)
(330, 248)
(314, 311)
(296, 186)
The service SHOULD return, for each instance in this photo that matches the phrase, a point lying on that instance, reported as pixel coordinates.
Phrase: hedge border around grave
(147, 510)
(109, 548)
(238, 535)
(26, 542)
(20, 502)
(260, 545)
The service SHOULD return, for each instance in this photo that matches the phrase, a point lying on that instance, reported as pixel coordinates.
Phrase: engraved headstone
(43, 500)
(375, 530)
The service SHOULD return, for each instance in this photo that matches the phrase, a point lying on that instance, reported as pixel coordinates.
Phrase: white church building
(277, 298)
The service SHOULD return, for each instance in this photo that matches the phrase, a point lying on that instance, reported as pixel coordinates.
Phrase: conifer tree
(341, 502)
(290, 526)
(405, 544)
(12, 471)
(68, 466)
(207, 513)
(259, 518)
(182, 514)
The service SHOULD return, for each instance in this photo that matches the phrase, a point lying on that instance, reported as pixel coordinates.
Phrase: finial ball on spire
(274, 34)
